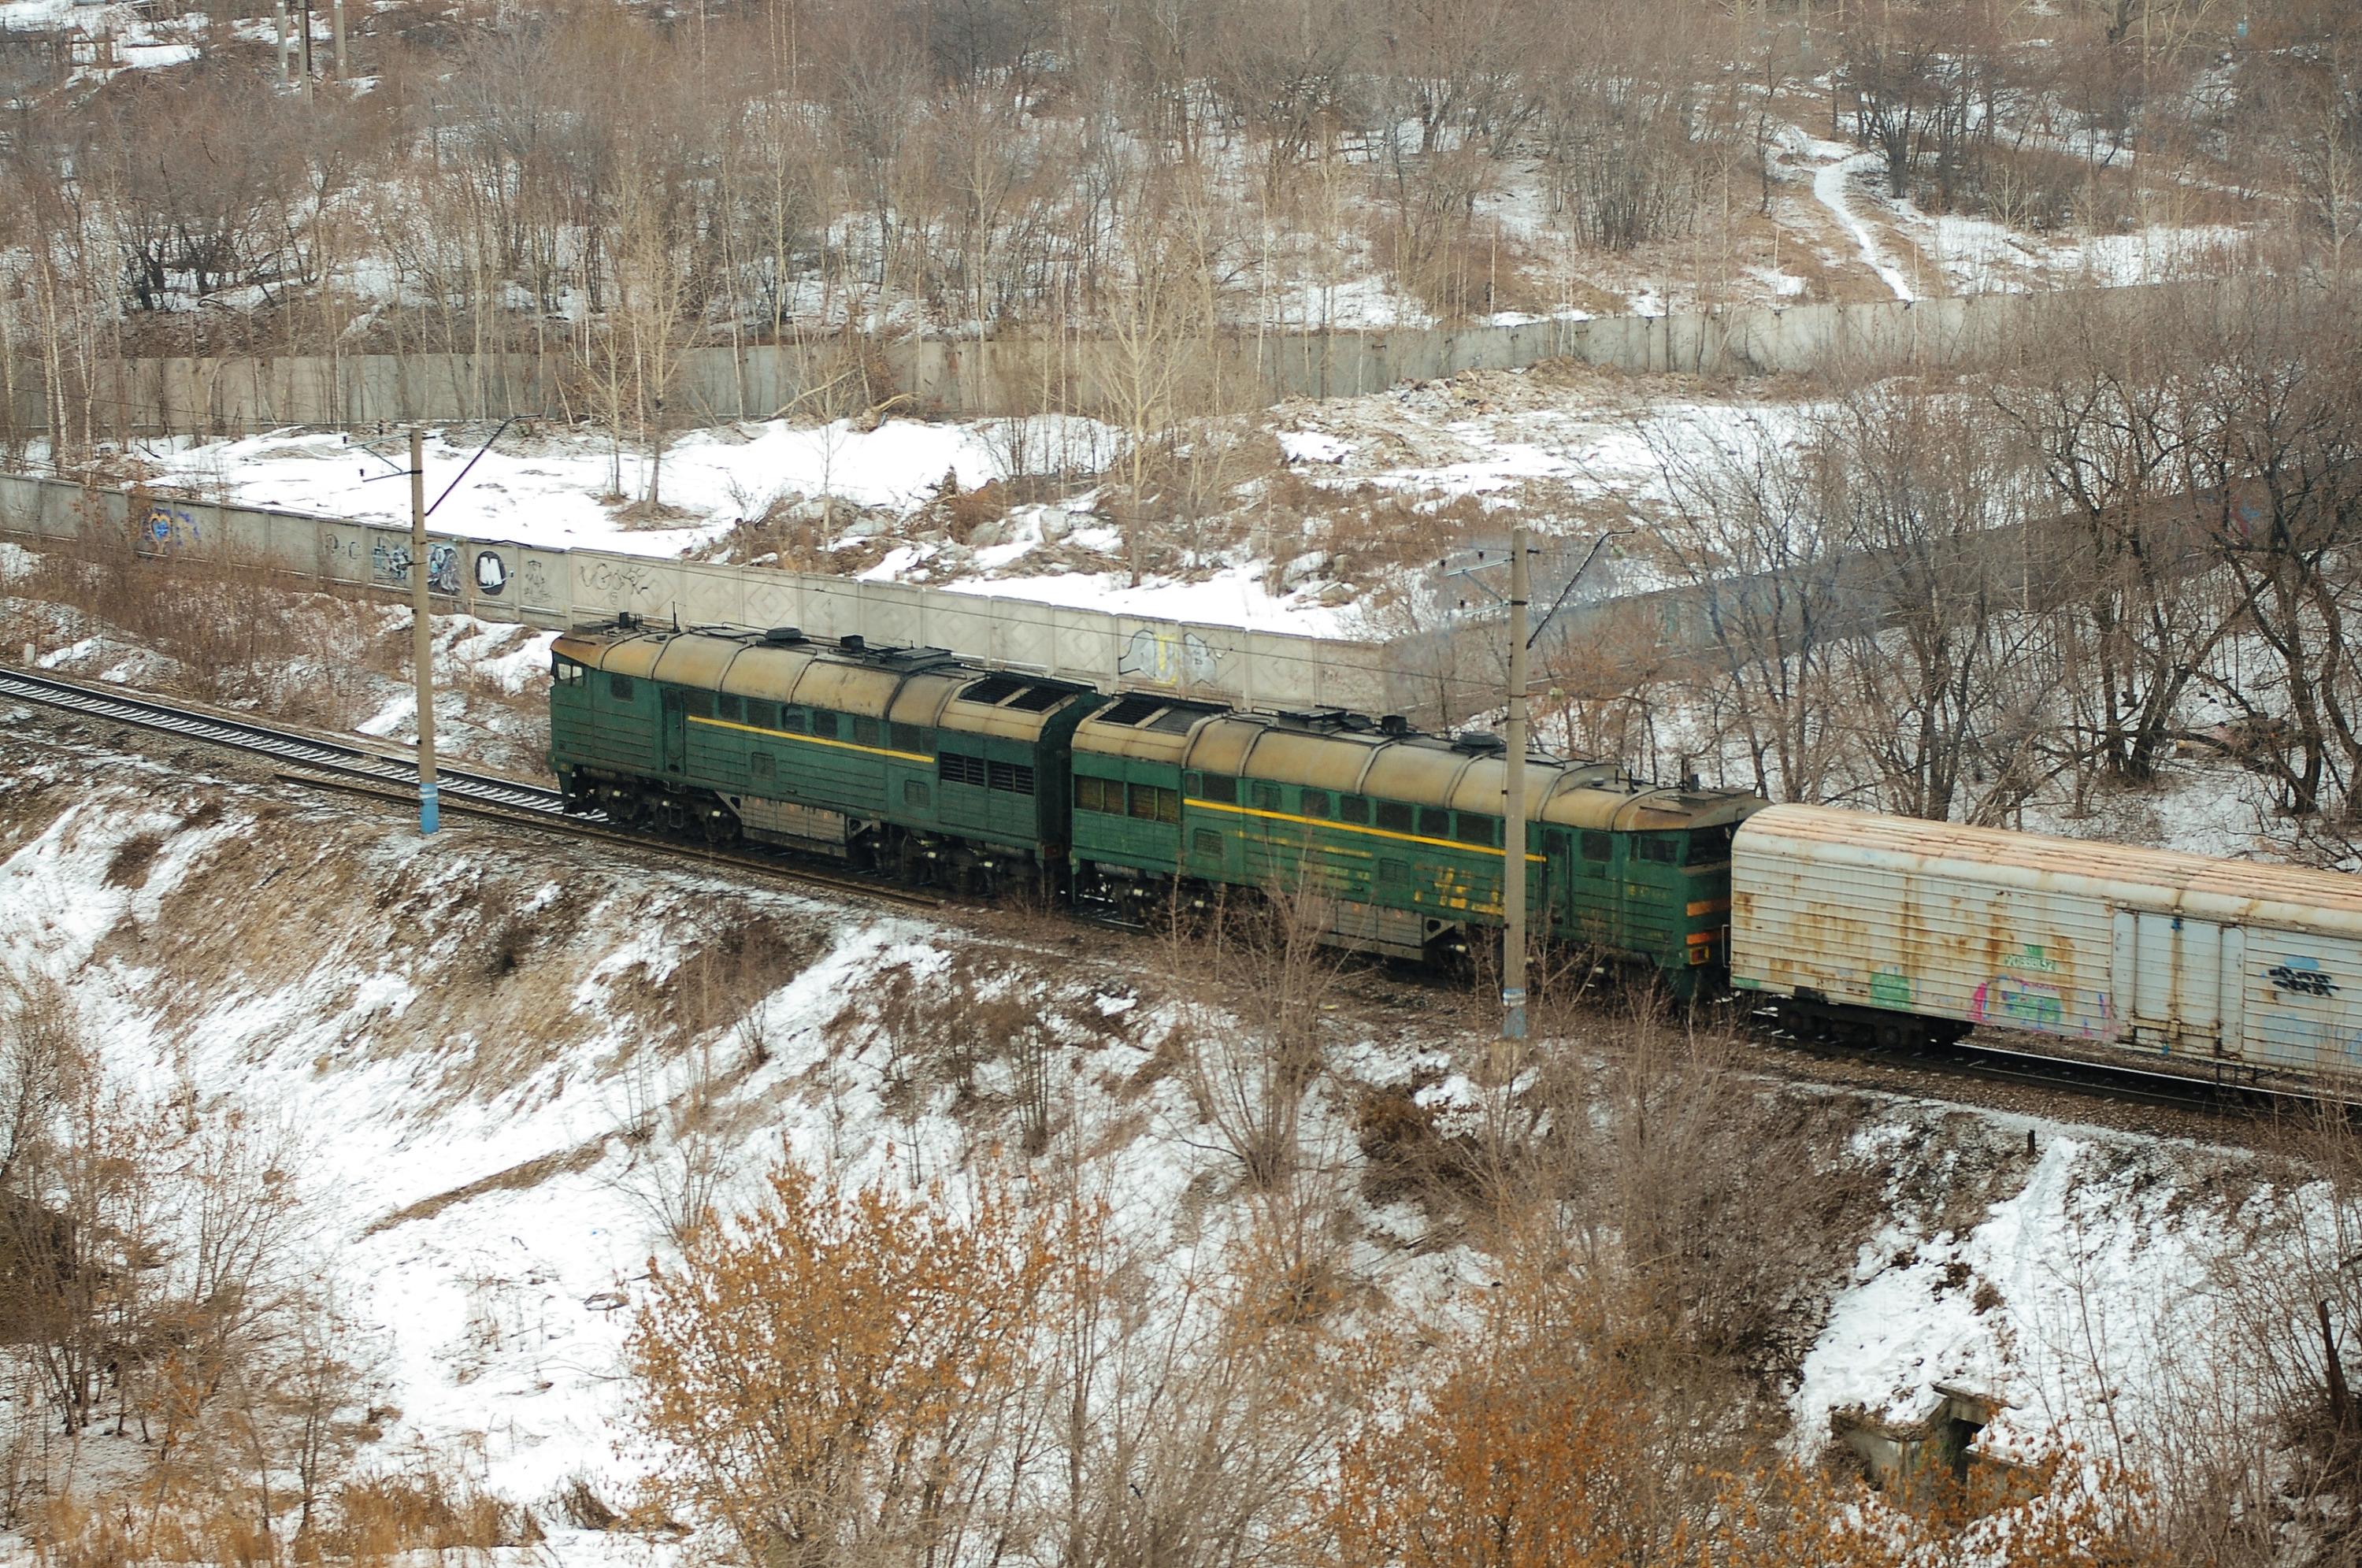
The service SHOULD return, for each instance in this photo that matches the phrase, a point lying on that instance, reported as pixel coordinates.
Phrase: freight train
(1887, 931)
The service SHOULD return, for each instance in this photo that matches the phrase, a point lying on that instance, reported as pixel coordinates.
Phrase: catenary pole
(1512, 814)
(422, 635)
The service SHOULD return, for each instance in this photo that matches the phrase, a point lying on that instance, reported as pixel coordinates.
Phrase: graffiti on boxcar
(2020, 1004)
(2031, 958)
(2302, 978)
(1890, 986)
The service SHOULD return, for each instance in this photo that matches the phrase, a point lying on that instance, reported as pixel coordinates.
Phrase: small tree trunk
(2341, 1401)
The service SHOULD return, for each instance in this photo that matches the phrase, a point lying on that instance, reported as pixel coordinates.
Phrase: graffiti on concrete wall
(165, 529)
(1169, 660)
(536, 589)
(491, 574)
(390, 565)
(621, 582)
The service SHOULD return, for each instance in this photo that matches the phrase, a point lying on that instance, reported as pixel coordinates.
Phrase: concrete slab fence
(971, 378)
(501, 581)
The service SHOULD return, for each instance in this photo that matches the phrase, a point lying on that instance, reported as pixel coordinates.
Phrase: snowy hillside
(509, 1062)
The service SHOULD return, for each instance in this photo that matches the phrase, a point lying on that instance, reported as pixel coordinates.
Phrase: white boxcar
(2169, 954)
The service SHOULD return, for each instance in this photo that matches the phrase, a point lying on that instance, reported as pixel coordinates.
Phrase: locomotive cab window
(1597, 846)
(824, 725)
(1660, 850)
(763, 715)
(864, 732)
(1097, 794)
(1222, 788)
(793, 721)
(699, 704)
(730, 706)
(565, 671)
(1316, 803)
(619, 687)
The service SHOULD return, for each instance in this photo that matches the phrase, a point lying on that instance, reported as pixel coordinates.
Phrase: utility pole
(1513, 812)
(1515, 869)
(422, 635)
(307, 50)
(337, 27)
(280, 8)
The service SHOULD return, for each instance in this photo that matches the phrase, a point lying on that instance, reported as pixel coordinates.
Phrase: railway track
(317, 753)
(581, 827)
(319, 762)
(1989, 1061)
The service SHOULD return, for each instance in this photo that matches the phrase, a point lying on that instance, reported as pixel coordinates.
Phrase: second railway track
(325, 762)
(315, 752)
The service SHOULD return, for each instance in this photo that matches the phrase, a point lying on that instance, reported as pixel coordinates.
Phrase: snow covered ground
(1572, 451)
(489, 1148)
(566, 488)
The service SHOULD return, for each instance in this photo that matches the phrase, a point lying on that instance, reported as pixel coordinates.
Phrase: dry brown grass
(426, 1508)
(233, 630)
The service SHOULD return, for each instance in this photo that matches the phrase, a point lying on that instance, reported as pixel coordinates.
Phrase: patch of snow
(1312, 446)
(1829, 189)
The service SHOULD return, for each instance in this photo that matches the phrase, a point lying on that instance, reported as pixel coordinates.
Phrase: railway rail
(1986, 1060)
(314, 752)
(320, 762)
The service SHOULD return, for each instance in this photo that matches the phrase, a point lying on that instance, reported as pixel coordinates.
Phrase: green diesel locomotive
(914, 761)
(900, 759)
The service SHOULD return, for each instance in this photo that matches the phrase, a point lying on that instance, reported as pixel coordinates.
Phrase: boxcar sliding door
(2167, 975)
